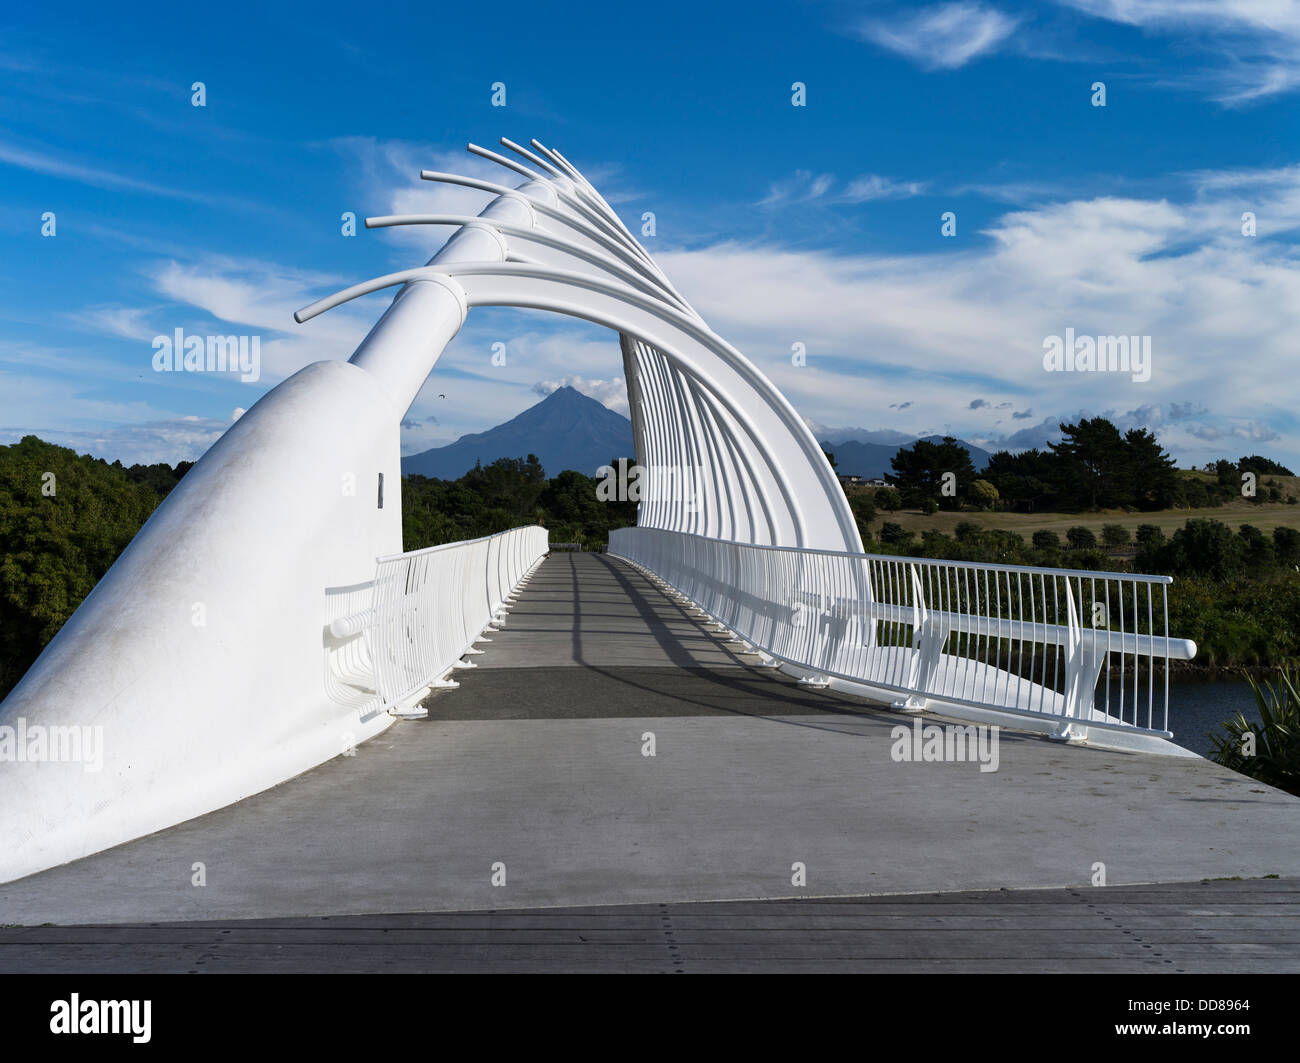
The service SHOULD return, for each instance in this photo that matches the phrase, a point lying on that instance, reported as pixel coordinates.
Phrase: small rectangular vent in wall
(381, 490)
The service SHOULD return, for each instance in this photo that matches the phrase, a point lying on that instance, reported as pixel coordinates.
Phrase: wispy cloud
(51, 165)
(944, 37)
(1256, 42)
(388, 175)
(124, 322)
(182, 439)
(803, 186)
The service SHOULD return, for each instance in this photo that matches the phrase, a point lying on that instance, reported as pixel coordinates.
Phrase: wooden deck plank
(1209, 927)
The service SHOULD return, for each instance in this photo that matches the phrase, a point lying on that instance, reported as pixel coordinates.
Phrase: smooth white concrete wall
(196, 717)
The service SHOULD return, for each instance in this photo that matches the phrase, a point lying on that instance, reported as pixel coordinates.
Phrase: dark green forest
(63, 521)
(509, 492)
(64, 518)
(1094, 466)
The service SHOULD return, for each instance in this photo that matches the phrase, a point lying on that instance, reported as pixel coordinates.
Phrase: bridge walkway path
(536, 763)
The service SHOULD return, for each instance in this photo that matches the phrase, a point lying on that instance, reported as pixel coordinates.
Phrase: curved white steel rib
(703, 415)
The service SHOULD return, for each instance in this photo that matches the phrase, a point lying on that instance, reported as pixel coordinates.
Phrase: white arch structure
(210, 659)
(701, 412)
(197, 661)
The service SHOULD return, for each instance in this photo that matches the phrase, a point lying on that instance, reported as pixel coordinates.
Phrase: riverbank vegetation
(1270, 749)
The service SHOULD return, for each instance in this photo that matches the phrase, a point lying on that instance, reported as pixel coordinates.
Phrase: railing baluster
(846, 616)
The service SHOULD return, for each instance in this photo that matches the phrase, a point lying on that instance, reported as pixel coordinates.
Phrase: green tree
(1046, 540)
(1150, 477)
(1203, 547)
(864, 512)
(1257, 549)
(1080, 538)
(984, 494)
(1286, 545)
(1149, 536)
(1091, 470)
(941, 472)
(894, 534)
(64, 519)
(1262, 466)
(1269, 750)
(1025, 481)
(1115, 535)
(888, 498)
(513, 485)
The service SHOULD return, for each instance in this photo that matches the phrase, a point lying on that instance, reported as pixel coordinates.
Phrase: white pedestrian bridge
(266, 623)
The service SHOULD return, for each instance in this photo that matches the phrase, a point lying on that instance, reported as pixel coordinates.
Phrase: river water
(1196, 707)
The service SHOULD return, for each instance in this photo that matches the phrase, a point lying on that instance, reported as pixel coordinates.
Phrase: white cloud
(390, 184)
(902, 339)
(943, 37)
(126, 322)
(141, 442)
(1256, 42)
(185, 439)
(1255, 431)
(610, 393)
(260, 298)
(1223, 311)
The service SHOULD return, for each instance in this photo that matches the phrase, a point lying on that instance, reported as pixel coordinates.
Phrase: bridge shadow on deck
(632, 652)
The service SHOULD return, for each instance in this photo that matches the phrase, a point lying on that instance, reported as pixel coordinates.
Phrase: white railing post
(927, 645)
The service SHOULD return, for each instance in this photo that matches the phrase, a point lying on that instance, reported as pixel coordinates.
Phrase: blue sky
(818, 224)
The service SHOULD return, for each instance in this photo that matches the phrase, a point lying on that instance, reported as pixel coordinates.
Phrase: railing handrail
(1136, 577)
(972, 623)
(449, 546)
(429, 607)
(948, 632)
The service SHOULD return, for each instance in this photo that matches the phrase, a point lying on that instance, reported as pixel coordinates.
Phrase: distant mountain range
(887, 436)
(568, 430)
(871, 460)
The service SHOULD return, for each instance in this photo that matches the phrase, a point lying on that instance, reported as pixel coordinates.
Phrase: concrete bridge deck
(536, 763)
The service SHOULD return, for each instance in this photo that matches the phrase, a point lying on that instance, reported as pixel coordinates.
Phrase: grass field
(1265, 516)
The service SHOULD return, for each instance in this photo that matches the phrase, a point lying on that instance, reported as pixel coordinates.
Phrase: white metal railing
(349, 669)
(1078, 646)
(428, 607)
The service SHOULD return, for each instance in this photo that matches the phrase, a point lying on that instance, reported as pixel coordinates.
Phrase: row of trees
(1095, 466)
(505, 494)
(1201, 547)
